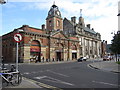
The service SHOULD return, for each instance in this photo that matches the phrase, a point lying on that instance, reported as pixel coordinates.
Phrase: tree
(115, 46)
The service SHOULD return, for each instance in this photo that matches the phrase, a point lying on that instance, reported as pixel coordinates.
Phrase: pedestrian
(43, 59)
(46, 60)
(36, 59)
(53, 59)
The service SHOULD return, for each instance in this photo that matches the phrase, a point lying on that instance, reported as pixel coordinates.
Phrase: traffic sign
(17, 37)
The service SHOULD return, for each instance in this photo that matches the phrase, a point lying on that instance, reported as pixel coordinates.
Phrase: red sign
(17, 37)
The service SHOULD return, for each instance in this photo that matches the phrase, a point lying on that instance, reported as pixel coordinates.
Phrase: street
(70, 75)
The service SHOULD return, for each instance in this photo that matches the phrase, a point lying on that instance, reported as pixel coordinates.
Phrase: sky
(101, 14)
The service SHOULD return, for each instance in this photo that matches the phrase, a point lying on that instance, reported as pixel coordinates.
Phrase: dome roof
(54, 11)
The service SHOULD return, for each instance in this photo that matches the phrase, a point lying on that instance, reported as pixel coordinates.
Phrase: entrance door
(58, 56)
(74, 55)
(35, 51)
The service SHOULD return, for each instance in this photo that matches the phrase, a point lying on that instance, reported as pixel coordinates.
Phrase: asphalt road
(70, 75)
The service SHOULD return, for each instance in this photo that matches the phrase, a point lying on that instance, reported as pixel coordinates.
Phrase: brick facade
(50, 42)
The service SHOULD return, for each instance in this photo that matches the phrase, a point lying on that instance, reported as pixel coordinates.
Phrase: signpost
(17, 39)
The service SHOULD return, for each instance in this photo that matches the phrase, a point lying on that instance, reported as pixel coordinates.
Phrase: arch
(74, 47)
(74, 52)
(60, 52)
(35, 51)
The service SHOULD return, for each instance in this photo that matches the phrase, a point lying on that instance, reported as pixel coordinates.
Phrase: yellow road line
(43, 85)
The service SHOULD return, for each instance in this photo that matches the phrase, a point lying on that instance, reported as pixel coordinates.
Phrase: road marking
(26, 73)
(60, 82)
(105, 83)
(57, 73)
(46, 78)
(40, 77)
(43, 85)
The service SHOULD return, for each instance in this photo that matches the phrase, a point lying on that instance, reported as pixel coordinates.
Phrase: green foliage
(115, 46)
(118, 62)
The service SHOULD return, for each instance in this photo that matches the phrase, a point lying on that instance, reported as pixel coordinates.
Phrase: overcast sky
(101, 14)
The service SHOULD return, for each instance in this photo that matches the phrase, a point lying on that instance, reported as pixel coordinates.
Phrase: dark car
(80, 59)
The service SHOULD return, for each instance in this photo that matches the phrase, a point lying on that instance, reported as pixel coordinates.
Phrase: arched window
(50, 23)
(58, 23)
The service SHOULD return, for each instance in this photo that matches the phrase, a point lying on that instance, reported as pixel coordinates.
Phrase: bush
(118, 62)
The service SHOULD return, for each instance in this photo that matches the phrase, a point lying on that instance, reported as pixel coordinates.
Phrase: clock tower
(54, 20)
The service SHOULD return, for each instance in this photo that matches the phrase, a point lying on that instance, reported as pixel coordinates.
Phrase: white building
(119, 15)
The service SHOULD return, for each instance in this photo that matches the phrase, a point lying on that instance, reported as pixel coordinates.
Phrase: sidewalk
(43, 63)
(28, 83)
(24, 84)
(111, 66)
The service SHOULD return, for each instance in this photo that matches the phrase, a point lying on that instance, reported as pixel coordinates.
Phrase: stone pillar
(26, 53)
(78, 53)
(70, 54)
(65, 54)
(43, 52)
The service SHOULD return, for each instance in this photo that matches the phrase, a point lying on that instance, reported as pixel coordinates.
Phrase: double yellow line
(43, 85)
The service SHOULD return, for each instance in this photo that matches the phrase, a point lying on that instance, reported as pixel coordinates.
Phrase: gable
(59, 35)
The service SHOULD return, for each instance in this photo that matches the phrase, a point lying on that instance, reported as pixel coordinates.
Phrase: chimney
(43, 27)
(105, 42)
(73, 19)
(93, 29)
(88, 25)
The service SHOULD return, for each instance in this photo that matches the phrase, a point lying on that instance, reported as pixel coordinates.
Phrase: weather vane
(54, 3)
(80, 12)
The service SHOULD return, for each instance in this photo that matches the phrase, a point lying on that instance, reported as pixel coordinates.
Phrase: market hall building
(59, 40)
(46, 44)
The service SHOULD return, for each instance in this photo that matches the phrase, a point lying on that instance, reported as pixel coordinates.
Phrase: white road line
(58, 81)
(58, 73)
(105, 83)
(50, 79)
(26, 73)
(40, 77)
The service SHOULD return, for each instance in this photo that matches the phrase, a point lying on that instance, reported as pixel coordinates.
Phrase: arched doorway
(59, 53)
(35, 51)
(74, 52)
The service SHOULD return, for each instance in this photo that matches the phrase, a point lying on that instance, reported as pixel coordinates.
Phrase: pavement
(111, 66)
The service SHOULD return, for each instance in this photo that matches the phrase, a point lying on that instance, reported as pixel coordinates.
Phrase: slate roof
(89, 30)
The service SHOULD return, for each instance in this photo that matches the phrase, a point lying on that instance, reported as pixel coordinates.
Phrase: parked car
(80, 59)
(84, 58)
(106, 58)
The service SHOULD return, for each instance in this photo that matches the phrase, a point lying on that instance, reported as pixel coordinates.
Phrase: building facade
(89, 40)
(118, 16)
(59, 40)
(46, 44)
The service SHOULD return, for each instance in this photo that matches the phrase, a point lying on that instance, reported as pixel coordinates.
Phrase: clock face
(58, 13)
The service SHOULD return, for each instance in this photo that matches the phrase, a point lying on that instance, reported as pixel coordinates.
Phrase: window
(58, 23)
(50, 23)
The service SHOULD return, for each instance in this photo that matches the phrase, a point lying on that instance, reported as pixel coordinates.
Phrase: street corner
(36, 84)
(93, 66)
(106, 66)
(26, 83)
